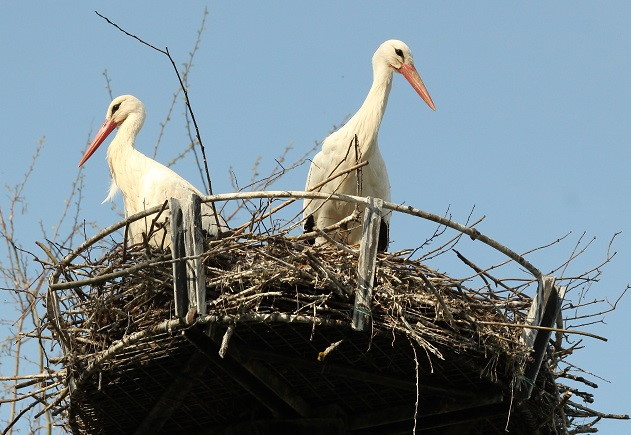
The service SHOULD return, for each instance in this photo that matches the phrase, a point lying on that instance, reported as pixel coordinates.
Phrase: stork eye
(115, 108)
(399, 52)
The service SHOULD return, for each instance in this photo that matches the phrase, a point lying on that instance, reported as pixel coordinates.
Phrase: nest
(272, 295)
(274, 351)
(260, 278)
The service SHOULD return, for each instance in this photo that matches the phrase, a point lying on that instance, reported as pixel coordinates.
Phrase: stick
(543, 328)
(296, 194)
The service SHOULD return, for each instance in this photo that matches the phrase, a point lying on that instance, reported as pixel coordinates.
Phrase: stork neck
(123, 143)
(365, 123)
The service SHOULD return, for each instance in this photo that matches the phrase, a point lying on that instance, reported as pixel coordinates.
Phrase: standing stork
(144, 182)
(339, 151)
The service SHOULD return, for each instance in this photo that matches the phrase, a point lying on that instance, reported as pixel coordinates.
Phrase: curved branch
(296, 194)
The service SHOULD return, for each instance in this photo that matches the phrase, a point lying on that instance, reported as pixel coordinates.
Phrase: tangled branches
(112, 310)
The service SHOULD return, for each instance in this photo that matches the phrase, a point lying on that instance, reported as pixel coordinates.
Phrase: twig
(32, 393)
(599, 414)
(334, 242)
(225, 340)
(322, 355)
(317, 186)
(344, 292)
(440, 299)
(18, 416)
(543, 328)
(407, 209)
(587, 382)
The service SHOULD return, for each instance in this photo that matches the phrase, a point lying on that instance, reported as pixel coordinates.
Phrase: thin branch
(543, 328)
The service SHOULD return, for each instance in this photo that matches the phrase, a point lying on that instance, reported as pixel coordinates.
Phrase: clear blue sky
(532, 122)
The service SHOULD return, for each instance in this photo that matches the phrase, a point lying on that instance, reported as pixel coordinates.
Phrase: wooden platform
(270, 381)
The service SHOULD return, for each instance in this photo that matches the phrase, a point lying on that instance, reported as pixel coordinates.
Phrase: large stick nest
(437, 347)
(273, 275)
(116, 321)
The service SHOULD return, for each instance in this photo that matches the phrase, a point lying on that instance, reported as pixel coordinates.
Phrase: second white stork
(144, 182)
(340, 153)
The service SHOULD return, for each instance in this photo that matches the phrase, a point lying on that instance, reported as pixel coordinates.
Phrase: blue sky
(532, 122)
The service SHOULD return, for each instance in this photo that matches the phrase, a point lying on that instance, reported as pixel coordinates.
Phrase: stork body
(143, 182)
(340, 151)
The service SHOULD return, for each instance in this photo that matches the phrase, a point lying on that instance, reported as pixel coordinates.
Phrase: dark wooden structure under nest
(271, 348)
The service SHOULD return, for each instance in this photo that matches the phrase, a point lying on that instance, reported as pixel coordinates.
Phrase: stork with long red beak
(144, 182)
(339, 151)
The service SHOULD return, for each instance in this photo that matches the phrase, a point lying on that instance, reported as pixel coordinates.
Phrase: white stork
(144, 182)
(339, 153)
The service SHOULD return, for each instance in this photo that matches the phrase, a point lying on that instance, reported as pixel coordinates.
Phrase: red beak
(412, 76)
(101, 135)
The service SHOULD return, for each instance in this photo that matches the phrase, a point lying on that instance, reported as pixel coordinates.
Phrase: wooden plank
(367, 263)
(180, 292)
(438, 407)
(544, 310)
(317, 425)
(208, 347)
(429, 384)
(187, 240)
(537, 308)
(174, 395)
(263, 371)
(464, 417)
(194, 248)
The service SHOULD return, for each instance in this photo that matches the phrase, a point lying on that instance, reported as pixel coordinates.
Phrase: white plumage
(143, 182)
(339, 152)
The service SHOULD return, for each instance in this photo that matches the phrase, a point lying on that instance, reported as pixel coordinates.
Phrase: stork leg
(308, 227)
(384, 236)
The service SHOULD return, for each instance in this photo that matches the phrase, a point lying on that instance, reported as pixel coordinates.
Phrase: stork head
(118, 111)
(397, 55)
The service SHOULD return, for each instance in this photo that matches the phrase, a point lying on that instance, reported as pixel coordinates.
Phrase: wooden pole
(194, 248)
(180, 293)
(172, 398)
(189, 277)
(544, 310)
(367, 263)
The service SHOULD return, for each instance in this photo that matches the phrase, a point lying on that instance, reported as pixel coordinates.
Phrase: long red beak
(412, 76)
(101, 135)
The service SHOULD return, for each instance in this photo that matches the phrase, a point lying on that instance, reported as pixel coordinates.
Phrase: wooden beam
(447, 406)
(474, 413)
(189, 277)
(367, 263)
(266, 375)
(348, 372)
(441, 420)
(311, 426)
(243, 377)
(194, 248)
(276, 384)
(544, 310)
(171, 399)
(180, 291)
